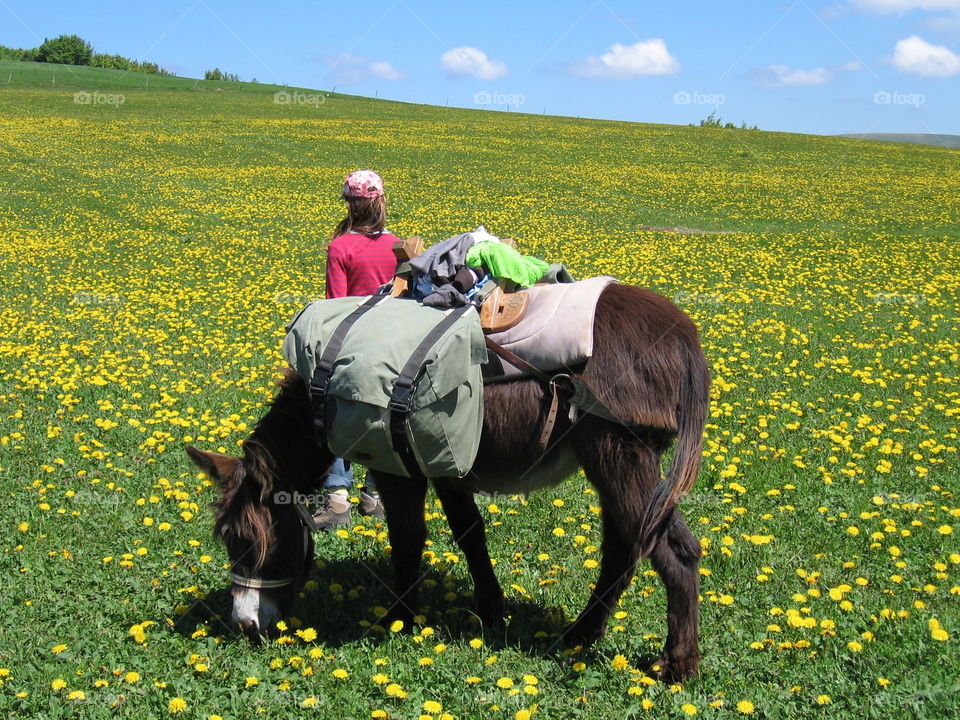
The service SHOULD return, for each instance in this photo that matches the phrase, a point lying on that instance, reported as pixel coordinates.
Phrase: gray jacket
(443, 259)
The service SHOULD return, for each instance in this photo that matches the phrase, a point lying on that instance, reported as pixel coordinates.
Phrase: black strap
(405, 386)
(320, 382)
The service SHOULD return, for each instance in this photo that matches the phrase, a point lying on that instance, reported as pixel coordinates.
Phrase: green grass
(16, 74)
(152, 250)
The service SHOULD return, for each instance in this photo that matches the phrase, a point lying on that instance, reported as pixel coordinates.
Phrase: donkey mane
(241, 509)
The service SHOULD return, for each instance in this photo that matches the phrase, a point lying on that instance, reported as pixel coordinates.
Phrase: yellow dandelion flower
(306, 634)
(176, 705)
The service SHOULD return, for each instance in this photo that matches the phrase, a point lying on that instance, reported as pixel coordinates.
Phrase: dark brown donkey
(647, 368)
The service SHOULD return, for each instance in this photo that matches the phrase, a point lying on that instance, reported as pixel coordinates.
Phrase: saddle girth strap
(515, 360)
(521, 364)
(578, 393)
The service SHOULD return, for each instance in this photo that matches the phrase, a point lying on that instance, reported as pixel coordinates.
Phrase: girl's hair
(366, 216)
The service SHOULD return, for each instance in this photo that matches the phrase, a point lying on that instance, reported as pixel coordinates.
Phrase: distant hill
(949, 141)
(20, 73)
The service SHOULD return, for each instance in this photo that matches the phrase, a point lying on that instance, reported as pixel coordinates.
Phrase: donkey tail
(692, 410)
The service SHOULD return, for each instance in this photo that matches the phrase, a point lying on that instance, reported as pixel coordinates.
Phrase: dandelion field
(153, 249)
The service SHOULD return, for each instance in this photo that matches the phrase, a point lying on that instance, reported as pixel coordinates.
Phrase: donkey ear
(219, 467)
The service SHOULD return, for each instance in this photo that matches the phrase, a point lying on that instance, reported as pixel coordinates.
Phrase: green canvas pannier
(397, 385)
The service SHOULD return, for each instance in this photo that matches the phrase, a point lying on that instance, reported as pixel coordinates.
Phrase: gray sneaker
(333, 514)
(370, 505)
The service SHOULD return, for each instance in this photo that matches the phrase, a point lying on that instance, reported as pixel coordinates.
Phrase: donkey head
(267, 538)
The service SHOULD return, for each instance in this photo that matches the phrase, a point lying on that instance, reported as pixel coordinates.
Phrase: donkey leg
(402, 500)
(469, 532)
(676, 557)
(624, 471)
(617, 567)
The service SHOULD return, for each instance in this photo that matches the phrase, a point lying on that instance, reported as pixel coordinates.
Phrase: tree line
(74, 50)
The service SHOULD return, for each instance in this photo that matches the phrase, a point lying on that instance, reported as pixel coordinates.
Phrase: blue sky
(800, 66)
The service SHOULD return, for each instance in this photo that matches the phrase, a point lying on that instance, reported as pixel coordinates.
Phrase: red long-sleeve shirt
(359, 265)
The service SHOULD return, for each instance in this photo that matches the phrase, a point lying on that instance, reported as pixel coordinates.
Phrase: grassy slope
(945, 141)
(33, 74)
(152, 251)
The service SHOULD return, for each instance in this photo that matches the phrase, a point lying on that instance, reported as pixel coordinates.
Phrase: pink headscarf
(363, 183)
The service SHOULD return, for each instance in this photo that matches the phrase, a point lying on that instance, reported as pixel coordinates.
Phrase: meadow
(152, 250)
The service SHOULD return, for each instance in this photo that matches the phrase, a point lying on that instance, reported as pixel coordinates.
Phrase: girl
(359, 260)
(360, 257)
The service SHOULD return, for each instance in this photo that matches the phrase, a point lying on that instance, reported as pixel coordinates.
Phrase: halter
(255, 583)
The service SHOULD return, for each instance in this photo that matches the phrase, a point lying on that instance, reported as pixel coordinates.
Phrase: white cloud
(781, 76)
(383, 69)
(916, 55)
(649, 57)
(904, 6)
(948, 24)
(464, 61)
(347, 69)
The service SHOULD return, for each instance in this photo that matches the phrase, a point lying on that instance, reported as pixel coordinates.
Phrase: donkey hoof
(676, 670)
(583, 633)
(492, 620)
(492, 613)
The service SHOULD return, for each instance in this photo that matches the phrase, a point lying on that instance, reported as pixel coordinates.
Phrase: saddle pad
(555, 333)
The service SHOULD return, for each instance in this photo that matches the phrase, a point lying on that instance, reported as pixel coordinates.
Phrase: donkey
(647, 368)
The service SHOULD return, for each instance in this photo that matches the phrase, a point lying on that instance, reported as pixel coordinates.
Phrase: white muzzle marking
(254, 609)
